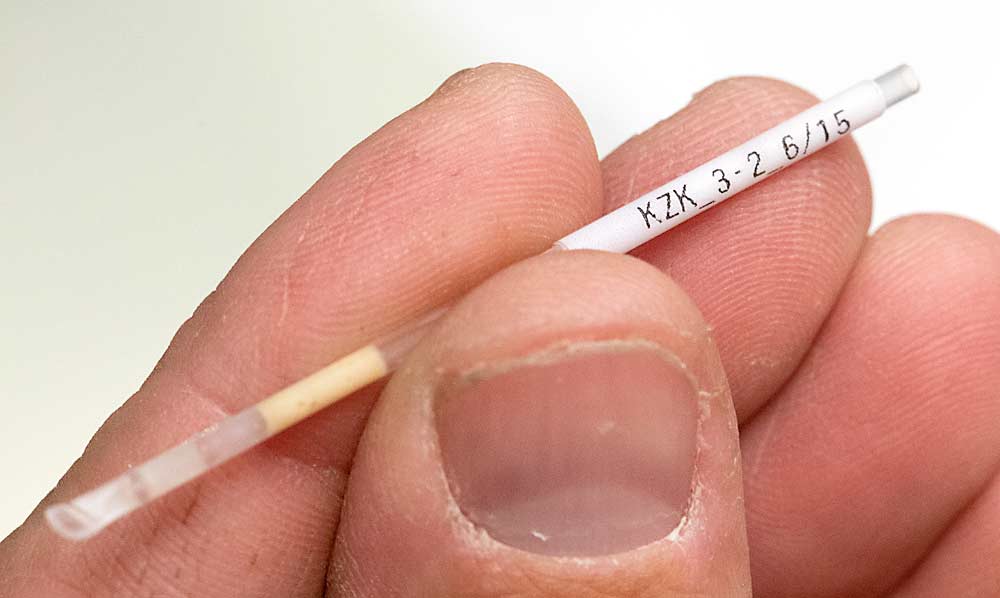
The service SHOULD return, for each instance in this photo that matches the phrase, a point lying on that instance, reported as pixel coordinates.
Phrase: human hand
(572, 411)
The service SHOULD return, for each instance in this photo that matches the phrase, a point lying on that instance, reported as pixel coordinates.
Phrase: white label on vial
(711, 183)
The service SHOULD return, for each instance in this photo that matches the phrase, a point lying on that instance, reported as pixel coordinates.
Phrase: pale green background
(144, 145)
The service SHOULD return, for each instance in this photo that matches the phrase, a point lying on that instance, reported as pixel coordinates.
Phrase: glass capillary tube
(619, 231)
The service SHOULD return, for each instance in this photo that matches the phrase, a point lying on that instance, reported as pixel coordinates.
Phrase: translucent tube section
(88, 513)
(898, 84)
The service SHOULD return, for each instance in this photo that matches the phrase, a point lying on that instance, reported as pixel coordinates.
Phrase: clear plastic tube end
(92, 511)
(898, 84)
(71, 523)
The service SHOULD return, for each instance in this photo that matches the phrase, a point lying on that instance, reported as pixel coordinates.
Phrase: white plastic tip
(71, 523)
(898, 84)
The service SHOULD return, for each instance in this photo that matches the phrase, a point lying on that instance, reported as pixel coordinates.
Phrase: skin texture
(861, 371)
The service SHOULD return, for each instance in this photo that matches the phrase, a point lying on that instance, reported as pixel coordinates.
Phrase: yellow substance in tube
(327, 386)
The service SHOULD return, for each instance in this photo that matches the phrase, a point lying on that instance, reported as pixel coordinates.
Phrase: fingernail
(583, 450)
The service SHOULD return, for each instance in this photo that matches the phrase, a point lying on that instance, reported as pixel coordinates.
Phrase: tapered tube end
(898, 84)
(72, 523)
(92, 511)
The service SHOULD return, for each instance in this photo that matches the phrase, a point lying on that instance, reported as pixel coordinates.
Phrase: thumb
(567, 431)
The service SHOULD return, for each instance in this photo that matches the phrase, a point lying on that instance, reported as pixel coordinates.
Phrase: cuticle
(565, 349)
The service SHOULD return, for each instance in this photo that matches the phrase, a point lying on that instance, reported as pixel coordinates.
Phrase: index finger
(496, 165)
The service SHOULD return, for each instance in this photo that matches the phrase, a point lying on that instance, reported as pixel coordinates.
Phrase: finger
(496, 165)
(567, 431)
(888, 430)
(766, 266)
(965, 563)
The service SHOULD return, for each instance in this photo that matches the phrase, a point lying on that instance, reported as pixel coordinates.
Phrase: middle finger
(766, 266)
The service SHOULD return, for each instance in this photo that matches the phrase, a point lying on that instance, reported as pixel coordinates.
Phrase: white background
(144, 145)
